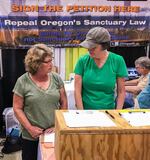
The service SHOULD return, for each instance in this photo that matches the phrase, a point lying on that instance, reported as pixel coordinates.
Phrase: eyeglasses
(91, 50)
(48, 61)
(139, 67)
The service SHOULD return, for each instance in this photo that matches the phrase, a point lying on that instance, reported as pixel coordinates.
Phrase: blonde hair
(35, 56)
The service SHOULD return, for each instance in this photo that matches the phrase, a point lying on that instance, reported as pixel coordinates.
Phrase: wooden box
(123, 142)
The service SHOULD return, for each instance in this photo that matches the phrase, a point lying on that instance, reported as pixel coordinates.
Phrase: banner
(64, 23)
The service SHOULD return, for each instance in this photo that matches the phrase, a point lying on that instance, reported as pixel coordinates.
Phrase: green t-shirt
(39, 104)
(98, 84)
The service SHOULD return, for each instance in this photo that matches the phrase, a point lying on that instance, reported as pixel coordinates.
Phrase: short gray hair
(143, 62)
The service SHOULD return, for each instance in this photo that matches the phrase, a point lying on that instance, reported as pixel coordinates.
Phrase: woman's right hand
(35, 131)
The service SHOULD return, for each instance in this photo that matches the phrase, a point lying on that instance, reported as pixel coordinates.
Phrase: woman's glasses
(91, 50)
(48, 61)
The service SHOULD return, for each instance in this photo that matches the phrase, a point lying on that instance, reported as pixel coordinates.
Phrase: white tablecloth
(69, 87)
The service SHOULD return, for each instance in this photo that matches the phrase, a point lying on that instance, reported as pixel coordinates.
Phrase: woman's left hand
(49, 130)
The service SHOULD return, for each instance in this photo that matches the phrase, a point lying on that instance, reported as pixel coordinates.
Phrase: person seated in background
(134, 87)
(144, 97)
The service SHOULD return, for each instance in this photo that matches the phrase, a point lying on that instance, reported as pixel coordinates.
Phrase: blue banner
(65, 24)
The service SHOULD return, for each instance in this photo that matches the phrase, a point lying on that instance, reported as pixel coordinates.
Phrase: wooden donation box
(121, 141)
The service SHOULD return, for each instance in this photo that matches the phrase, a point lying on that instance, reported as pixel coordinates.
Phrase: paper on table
(137, 118)
(48, 137)
(89, 118)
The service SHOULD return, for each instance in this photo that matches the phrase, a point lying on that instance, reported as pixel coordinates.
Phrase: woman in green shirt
(97, 74)
(37, 94)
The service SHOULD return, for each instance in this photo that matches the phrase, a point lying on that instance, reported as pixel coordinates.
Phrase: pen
(136, 112)
(45, 129)
(109, 114)
(120, 114)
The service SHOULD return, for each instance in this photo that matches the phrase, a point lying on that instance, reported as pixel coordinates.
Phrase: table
(46, 151)
(46, 147)
(122, 142)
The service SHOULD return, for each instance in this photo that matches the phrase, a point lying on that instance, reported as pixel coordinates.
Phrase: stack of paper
(87, 118)
(137, 118)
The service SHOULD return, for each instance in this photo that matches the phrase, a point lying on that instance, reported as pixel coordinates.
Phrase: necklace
(42, 84)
